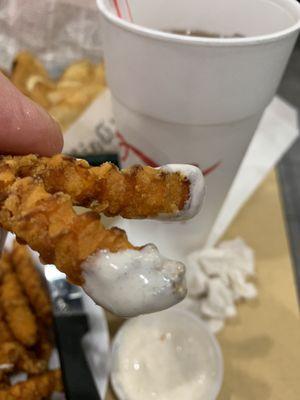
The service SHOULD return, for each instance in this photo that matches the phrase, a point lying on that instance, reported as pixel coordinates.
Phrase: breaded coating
(44, 346)
(49, 225)
(5, 268)
(4, 380)
(136, 192)
(5, 332)
(20, 359)
(30, 76)
(16, 309)
(36, 388)
(31, 282)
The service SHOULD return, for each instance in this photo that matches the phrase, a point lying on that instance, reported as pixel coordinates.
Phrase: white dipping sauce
(166, 356)
(133, 282)
(197, 191)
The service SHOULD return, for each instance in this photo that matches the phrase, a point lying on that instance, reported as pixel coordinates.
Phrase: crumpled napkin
(217, 278)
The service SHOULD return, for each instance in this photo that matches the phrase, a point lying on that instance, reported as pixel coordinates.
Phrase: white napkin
(217, 278)
(277, 131)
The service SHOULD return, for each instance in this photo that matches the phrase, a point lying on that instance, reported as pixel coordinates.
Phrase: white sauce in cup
(169, 355)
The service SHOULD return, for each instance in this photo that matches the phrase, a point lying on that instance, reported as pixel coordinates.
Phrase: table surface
(261, 346)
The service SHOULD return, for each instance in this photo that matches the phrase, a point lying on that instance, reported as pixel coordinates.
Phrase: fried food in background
(15, 305)
(43, 348)
(29, 75)
(134, 192)
(5, 333)
(65, 98)
(4, 381)
(15, 356)
(31, 282)
(36, 388)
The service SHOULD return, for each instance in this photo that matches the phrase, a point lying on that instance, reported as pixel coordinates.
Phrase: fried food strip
(31, 282)
(20, 359)
(136, 192)
(36, 388)
(49, 225)
(12, 352)
(17, 312)
(30, 76)
(5, 332)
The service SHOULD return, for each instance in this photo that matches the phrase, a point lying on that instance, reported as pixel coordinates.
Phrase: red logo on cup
(127, 148)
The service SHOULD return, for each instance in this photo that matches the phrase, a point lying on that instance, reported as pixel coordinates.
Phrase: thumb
(25, 127)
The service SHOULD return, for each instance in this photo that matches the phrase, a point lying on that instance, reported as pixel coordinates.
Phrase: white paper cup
(194, 100)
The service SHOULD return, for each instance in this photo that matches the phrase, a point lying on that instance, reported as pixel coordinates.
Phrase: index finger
(25, 127)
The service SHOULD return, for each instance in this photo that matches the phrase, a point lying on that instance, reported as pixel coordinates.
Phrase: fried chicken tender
(17, 312)
(20, 359)
(36, 388)
(31, 282)
(136, 192)
(49, 225)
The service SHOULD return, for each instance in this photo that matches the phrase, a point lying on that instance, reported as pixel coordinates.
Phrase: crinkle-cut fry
(31, 282)
(13, 353)
(136, 192)
(49, 225)
(17, 312)
(36, 388)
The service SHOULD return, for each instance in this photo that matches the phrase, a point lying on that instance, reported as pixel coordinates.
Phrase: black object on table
(97, 159)
(289, 167)
(70, 325)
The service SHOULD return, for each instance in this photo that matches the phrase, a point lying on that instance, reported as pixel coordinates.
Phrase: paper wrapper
(57, 31)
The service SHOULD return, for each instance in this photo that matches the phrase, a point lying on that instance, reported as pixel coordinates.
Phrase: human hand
(25, 127)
